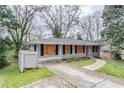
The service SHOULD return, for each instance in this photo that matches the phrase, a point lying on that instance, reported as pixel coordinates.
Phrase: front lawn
(113, 68)
(81, 63)
(11, 77)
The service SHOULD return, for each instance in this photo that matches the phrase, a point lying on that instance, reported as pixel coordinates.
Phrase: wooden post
(60, 50)
(73, 49)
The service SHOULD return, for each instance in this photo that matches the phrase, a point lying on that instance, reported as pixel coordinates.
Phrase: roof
(106, 48)
(63, 41)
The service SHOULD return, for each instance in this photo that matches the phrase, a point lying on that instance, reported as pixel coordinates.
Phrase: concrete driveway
(50, 82)
(84, 78)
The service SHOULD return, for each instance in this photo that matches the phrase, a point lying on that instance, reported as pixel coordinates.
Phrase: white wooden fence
(27, 59)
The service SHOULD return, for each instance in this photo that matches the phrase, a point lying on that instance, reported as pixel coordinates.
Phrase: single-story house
(65, 48)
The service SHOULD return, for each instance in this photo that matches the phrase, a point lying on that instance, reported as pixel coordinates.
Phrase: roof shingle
(63, 41)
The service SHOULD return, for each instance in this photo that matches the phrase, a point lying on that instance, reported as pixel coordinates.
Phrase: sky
(89, 9)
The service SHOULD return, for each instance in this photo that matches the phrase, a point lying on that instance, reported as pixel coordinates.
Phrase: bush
(4, 46)
(116, 54)
(3, 61)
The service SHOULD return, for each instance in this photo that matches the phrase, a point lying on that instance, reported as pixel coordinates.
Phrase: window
(71, 49)
(83, 49)
(75, 49)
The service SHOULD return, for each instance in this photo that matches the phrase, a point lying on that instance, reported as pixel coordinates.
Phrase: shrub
(4, 46)
(116, 54)
(3, 61)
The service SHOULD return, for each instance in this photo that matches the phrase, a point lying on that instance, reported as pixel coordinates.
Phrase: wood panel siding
(49, 49)
(79, 49)
(67, 49)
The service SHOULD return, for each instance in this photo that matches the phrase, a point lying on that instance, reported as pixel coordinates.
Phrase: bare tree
(60, 19)
(91, 26)
(98, 24)
(36, 32)
(86, 25)
(71, 35)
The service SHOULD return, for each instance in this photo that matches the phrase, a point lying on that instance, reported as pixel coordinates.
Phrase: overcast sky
(88, 9)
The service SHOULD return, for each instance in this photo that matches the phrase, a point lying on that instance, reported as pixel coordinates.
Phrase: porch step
(49, 59)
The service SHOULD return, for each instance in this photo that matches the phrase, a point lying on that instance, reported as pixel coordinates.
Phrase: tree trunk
(18, 47)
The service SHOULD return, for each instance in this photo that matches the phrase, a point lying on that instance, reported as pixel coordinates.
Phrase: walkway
(98, 64)
(51, 82)
(82, 77)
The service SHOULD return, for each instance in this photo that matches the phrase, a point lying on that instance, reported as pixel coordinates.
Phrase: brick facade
(106, 55)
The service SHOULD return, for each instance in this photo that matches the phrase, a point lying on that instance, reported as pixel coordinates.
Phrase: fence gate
(27, 59)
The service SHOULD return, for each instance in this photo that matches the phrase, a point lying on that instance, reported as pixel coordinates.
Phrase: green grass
(10, 77)
(113, 68)
(82, 63)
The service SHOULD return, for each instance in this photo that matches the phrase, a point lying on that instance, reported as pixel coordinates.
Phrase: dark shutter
(63, 49)
(75, 48)
(42, 50)
(83, 49)
(71, 49)
(35, 47)
(93, 49)
(56, 49)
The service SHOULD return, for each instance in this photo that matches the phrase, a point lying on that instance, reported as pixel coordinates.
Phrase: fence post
(21, 61)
